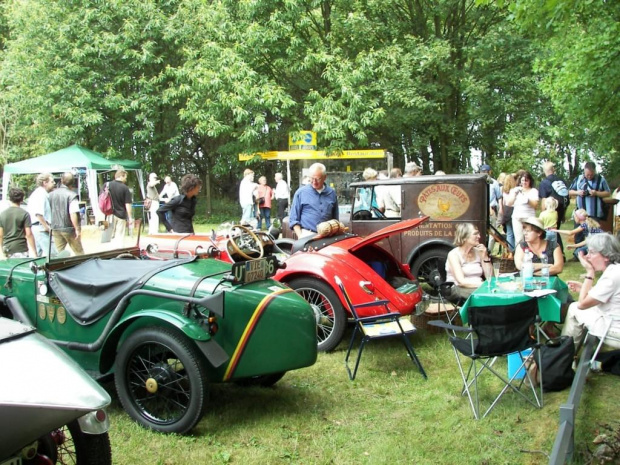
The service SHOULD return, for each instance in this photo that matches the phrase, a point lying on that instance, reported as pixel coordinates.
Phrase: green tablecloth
(548, 306)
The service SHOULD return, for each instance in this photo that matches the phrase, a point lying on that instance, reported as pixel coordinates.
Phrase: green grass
(389, 414)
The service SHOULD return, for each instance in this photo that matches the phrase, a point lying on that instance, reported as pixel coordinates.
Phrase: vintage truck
(448, 200)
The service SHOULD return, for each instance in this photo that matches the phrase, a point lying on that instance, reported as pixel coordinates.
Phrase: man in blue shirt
(590, 189)
(313, 203)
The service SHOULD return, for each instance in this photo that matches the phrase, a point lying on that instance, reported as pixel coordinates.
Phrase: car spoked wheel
(331, 319)
(161, 381)
(70, 445)
(428, 267)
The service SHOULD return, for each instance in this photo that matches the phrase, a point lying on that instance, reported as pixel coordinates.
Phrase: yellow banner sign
(314, 155)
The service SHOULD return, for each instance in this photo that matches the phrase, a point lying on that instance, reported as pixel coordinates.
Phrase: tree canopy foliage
(186, 85)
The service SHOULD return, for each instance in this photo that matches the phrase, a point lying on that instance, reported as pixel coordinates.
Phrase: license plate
(255, 270)
(13, 461)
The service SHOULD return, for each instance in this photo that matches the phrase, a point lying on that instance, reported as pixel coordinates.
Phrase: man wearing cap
(495, 194)
(153, 195)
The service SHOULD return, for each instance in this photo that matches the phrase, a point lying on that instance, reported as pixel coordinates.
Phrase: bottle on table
(544, 271)
(527, 271)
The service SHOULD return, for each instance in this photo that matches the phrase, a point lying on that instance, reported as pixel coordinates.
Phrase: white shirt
(282, 190)
(39, 204)
(607, 291)
(388, 200)
(522, 208)
(169, 191)
(246, 192)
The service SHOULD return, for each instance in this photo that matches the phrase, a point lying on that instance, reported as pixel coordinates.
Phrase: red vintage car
(364, 264)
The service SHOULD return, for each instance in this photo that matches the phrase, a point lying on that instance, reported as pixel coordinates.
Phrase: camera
(586, 192)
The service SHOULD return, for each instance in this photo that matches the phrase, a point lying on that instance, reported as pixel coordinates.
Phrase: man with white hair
(247, 188)
(313, 203)
(411, 170)
(281, 193)
(41, 214)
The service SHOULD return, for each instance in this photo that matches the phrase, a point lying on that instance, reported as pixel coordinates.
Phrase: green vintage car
(165, 329)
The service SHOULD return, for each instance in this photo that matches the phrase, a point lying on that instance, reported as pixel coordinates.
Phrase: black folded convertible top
(91, 289)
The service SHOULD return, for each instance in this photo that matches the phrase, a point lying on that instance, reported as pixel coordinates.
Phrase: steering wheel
(126, 256)
(378, 212)
(245, 242)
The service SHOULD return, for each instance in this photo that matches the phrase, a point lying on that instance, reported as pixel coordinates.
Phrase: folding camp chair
(384, 325)
(498, 331)
(605, 337)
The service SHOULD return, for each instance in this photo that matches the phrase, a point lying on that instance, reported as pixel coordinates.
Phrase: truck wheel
(427, 266)
(331, 319)
(161, 380)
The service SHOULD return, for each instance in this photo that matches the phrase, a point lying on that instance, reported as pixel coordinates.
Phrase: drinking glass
(496, 267)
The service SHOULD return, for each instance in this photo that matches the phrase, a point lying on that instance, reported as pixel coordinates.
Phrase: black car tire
(429, 264)
(161, 380)
(69, 444)
(324, 301)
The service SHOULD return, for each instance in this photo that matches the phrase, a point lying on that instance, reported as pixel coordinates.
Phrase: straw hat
(533, 221)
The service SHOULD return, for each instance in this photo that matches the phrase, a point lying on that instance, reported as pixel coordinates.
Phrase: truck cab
(448, 200)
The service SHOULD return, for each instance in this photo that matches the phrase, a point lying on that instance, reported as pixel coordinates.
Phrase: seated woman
(587, 225)
(534, 239)
(468, 263)
(596, 302)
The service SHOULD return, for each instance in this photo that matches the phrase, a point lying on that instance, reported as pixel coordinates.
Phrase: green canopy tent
(69, 159)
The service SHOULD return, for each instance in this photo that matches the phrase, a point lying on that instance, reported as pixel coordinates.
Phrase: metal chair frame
(394, 327)
(468, 346)
(603, 338)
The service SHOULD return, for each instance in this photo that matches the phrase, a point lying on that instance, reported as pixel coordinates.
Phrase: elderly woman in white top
(524, 198)
(468, 263)
(597, 303)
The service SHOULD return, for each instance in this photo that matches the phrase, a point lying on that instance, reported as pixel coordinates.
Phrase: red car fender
(325, 267)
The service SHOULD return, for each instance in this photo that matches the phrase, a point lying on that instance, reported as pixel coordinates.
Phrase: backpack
(105, 200)
(560, 193)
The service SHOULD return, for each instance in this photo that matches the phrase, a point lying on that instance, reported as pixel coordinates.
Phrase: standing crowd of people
(50, 223)
(258, 199)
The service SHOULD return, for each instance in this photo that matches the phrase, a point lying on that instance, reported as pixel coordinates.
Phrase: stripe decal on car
(249, 329)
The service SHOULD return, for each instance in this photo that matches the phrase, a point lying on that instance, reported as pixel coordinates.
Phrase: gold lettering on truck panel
(443, 201)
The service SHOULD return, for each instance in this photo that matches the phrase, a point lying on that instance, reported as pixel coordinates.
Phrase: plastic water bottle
(527, 270)
(544, 271)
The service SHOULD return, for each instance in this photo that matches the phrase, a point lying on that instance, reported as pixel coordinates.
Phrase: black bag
(261, 201)
(557, 357)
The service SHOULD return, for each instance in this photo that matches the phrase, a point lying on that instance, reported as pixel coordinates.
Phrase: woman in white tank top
(468, 263)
